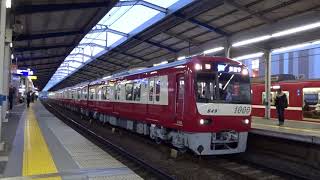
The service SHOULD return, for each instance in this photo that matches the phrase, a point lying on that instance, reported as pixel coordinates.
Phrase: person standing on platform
(281, 103)
(12, 91)
(28, 98)
(32, 97)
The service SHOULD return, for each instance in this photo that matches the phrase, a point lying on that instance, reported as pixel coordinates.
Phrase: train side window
(91, 93)
(102, 92)
(136, 91)
(151, 87)
(273, 96)
(78, 94)
(181, 88)
(158, 90)
(117, 93)
(129, 89)
(84, 93)
(107, 92)
(97, 93)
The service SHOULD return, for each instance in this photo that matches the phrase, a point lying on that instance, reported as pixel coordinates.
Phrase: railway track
(186, 166)
(142, 168)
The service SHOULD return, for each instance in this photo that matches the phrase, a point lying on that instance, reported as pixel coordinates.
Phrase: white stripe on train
(273, 107)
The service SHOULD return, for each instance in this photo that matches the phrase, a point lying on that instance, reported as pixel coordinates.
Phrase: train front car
(221, 91)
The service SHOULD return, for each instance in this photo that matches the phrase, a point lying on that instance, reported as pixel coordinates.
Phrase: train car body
(202, 104)
(303, 99)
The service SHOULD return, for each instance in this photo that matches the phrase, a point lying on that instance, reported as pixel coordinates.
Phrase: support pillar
(2, 63)
(227, 48)
(6, 75)
(267, 60)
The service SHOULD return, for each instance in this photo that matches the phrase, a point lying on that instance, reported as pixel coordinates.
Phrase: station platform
(45, 148)
(302, 131)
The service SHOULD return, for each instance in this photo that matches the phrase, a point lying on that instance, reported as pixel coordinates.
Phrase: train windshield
(223, 88)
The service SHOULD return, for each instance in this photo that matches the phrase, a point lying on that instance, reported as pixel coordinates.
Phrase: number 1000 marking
(242, 110)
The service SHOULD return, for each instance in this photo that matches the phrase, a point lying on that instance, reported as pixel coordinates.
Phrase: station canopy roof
(142, 33)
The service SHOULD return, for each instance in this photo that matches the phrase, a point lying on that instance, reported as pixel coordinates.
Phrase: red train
(202, 104)
(303, 98)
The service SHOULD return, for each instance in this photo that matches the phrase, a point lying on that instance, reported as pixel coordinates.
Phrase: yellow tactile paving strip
(37, 158)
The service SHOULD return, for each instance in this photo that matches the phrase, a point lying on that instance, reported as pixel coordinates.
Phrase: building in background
(302, 62)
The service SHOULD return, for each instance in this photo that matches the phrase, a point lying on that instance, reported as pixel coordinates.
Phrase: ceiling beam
(247, 10)
(143, 3)
(35, 48)
(38, 64)
(85, 73)
(157, 45)
(45, 8)
(23, 37)
(130, 55)
(97, 67)
(112, 63)
(182, 38)
(41, 57)
(202, 24)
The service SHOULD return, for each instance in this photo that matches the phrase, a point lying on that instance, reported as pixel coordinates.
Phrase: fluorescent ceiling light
(8, 3)
(213, 50)
(163, 62)
(250, 41)
(248, 56)
(181, 57)
(297, 29)
(277, 34)
(107, 77)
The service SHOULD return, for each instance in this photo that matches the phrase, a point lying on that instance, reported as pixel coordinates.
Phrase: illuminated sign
(25, 72)
(33, 77)
(229, 68)
(221, 67)
(234, 69)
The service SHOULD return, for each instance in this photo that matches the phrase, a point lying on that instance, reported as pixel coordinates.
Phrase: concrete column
(2, 63)
(267, 60)
(227, 48)
(6, 74)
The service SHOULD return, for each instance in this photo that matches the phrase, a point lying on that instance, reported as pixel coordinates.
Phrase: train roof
(155, 68)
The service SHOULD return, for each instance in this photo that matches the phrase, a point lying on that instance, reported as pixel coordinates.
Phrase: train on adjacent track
(303, 97)
(202, 103)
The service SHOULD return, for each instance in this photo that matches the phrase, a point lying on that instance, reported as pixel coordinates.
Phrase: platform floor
(46, 148)
(293, 130)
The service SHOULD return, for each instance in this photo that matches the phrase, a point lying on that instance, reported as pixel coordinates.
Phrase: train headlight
(246, 121)
(204, 121)
(197, 67)
(245, 71)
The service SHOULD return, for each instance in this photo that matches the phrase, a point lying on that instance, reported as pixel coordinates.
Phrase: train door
(180, 84)
(311, 104)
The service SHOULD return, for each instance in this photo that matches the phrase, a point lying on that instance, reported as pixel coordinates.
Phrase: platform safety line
(288, 128)
(37, 158)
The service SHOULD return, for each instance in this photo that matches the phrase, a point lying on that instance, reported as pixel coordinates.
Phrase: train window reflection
(151, 86)
(117, 92)
(224, 88)
(78, 94)
(158, 91)
(129, 89)
(311, 103)
(91, 93)
(181, 88)
(136, 91)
